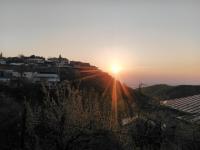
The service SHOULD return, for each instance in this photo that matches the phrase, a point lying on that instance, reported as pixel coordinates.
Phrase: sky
(154, 41)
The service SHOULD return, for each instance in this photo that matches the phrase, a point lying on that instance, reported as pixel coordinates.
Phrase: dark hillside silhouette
(164, 92)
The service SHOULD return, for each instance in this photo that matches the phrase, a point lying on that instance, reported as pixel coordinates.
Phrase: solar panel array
(190, 105)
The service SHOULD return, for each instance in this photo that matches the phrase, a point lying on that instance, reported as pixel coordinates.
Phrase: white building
(4, 79)
(26, 75)
(50, 80)
(45, 77)
(59, 62)
(2, 62)
(16, 74)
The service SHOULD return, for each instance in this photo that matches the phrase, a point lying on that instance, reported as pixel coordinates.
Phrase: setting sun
(115, 69)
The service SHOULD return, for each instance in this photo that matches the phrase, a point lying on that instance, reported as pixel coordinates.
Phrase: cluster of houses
(33, 60)
(36, 69)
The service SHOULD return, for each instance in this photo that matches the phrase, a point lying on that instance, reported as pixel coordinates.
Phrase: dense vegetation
(58, 120)
(79, 116)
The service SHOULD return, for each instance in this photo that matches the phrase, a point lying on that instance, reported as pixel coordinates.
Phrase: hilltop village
(37, 69)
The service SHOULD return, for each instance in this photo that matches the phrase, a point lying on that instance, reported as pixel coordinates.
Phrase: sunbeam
(114, 104)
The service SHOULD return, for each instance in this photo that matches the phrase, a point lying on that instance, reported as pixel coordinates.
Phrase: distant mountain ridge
(164, 91)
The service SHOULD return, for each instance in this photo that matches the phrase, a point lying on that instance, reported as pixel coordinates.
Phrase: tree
(21, 56)
(32, 56)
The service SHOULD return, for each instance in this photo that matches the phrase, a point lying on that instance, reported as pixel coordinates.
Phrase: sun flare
(115, 69)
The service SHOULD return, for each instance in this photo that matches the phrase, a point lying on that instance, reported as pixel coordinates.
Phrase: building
(37, 69)
(35, 59)
(5, 76)
(12, 75)
(2, 61)
(189, 105)
(48, 79)
(42, 77)
(58, 62)
(16, 64)
(13, 60)
(78, 64)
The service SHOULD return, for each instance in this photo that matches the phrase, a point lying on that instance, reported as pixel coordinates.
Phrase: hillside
(164, 91)
(83, 106)
(87, 108)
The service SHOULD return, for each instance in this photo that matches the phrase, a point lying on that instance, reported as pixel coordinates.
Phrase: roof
(190, 105)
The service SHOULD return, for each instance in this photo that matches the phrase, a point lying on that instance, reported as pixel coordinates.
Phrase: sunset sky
(153, 41)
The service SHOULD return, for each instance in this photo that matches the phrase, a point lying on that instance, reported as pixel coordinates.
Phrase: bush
(65, 113)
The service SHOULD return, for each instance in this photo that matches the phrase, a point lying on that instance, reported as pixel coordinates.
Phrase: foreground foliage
(69, 118)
